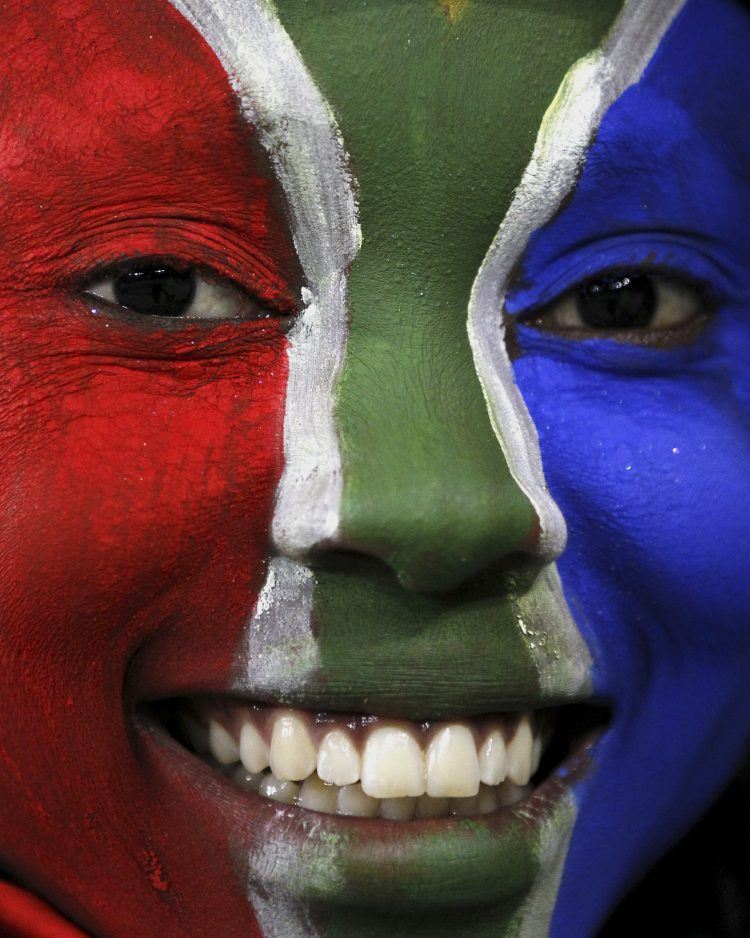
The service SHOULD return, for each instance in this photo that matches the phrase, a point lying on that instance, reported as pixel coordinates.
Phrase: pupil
(155, 289)
(619, 303)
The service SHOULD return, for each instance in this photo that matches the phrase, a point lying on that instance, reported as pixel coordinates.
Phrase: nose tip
(436, 542)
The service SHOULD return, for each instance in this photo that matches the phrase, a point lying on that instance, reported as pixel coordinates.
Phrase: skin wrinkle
(299, 133)
(664, 436)
(384, 350)
(339, 657)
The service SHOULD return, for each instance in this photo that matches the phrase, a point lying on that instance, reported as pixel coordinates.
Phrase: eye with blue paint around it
(636, 307)
(167, 289)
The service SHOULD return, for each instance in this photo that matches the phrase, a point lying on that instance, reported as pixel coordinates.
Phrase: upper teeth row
(392, 763)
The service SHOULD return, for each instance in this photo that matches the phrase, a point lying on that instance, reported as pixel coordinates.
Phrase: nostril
(343, 559)
(437, 548)
(512, 574)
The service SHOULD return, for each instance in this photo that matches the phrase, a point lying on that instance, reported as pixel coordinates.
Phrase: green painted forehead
(439, 104)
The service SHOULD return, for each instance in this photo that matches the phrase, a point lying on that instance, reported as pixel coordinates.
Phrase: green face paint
(429, 604)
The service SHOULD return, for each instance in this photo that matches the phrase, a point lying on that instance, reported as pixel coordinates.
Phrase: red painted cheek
(141, 488)
(138, 466)
(136, 494)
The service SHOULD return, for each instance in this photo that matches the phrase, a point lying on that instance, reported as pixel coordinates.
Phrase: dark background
(701, 889)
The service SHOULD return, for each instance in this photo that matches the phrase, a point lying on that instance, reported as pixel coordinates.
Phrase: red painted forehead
(121, 134)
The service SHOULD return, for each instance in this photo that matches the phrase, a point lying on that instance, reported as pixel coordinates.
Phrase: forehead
(459, 75)
(439, 103)
(87, 75)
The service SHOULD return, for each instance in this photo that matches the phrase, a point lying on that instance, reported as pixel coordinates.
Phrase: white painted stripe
(567, 130)
(279, 649)
(298, 131)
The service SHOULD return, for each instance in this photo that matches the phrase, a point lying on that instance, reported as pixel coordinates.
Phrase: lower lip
(420, 865)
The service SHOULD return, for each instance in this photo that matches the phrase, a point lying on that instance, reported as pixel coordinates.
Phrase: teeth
(278, 789)
(452, 767)
(508, 794)
(519, 753)
(393, 765)
(254, 753)
(221, 744)
(432, 807)
(315, 795)
(338, 760)
(398, 809)
(354, 802)
(536, 754)
(365, 767)
(461, 807)
(493, 763)
(293, 755)
(487, 799)
(250, 781)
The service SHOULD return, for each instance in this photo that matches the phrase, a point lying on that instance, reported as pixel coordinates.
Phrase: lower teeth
(350, 800)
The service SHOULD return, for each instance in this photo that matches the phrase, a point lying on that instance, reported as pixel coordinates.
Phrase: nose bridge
(426, 486)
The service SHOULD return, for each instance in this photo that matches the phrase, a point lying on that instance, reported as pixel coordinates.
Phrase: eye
(160, 288)
(629, 306)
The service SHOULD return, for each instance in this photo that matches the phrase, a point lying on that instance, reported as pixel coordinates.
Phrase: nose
(439, 529)
(427, 489)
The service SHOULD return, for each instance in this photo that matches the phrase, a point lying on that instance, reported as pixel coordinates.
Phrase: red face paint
(138, 465)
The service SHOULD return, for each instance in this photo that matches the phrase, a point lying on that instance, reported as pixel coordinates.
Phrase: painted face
(375, 432)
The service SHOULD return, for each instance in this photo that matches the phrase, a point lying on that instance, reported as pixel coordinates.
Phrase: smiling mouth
(365, 766)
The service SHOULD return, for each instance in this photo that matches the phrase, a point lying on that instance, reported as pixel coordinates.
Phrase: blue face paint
(647, 451)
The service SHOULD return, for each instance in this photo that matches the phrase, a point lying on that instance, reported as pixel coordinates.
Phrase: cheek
(136, 498)
(136, 488)
(650, 474)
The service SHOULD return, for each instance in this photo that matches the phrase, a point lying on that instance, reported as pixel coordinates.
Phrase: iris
(155, 289)
(618, 303)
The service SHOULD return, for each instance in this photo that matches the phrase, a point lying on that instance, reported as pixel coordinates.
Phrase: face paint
(140, 460)
(411, 528)
(656, 553)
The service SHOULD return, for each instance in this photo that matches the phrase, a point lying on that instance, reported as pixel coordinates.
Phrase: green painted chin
(490, 876)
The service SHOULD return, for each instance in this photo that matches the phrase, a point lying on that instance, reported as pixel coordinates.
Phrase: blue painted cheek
(647, 452)
(652, 473)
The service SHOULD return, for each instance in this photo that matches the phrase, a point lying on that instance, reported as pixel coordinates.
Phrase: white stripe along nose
(369, 766)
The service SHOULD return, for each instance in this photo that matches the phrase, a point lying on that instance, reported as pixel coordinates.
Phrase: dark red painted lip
(332, 860)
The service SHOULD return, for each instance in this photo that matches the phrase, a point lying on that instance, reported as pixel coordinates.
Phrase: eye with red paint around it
(637, 307)
(166, 289)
